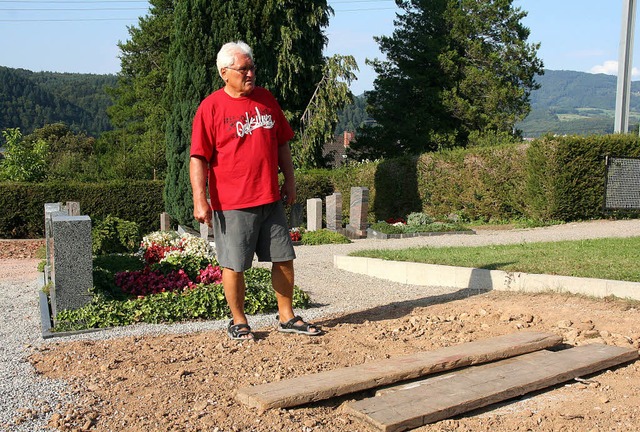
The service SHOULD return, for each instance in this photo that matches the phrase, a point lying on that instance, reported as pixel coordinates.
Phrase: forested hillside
(567, 102)
(570, 102)
(30, 100)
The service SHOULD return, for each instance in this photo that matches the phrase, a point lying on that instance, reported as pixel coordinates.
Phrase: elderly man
(239, 140)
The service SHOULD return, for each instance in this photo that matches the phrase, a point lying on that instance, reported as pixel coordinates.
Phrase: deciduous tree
(321, 115)
(23, 161)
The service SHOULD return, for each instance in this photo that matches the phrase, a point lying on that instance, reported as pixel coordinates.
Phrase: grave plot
(509, 366)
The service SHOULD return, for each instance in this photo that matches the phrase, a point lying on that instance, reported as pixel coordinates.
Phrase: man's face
(240, 78)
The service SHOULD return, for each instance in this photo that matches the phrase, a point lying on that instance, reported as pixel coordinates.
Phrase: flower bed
(171, 278)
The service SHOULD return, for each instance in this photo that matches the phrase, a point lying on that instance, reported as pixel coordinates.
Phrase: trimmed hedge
(22, 204)
(566, 175)
(484, 183)
(552, 178)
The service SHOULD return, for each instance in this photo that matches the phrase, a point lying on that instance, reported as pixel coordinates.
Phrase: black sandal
(304, 328)
(239, 331)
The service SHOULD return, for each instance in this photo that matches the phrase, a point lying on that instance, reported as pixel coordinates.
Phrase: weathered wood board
(324, 385)
(429, 400)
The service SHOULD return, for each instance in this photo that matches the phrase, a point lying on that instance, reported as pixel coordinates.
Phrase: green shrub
(115, 235)
(417, 219)
(323, 236)
(386, 228)
(566, 175)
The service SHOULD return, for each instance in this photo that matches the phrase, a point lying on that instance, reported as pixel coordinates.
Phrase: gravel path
(24, 397)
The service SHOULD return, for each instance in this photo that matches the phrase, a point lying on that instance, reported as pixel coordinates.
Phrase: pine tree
(452, 67)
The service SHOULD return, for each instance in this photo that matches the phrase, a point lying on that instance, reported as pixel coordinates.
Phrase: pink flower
(210, 275)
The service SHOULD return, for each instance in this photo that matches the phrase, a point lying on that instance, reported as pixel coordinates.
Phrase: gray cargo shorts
(262, 230)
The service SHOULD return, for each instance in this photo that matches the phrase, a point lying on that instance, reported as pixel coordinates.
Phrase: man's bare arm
(285, 163)
(198, 173)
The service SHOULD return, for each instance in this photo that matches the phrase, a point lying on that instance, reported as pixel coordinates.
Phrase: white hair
(227, 54)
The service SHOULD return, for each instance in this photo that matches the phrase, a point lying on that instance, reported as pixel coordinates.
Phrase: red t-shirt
(239, 138)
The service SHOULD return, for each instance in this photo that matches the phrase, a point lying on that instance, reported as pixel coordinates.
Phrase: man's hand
(202, 212)
(288, 191)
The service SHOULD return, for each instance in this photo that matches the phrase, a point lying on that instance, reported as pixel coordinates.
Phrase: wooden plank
(327, 384)
(412, 405)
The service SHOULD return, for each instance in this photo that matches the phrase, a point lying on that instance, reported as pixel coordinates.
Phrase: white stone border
(464, 277)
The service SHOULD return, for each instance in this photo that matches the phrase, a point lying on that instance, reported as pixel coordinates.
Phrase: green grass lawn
(611, 258)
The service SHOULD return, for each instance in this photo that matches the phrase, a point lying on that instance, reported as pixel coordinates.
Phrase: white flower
(161, 238)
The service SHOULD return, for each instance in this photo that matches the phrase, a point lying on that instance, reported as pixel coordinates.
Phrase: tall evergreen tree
(452, 67)
(197, 35)
(287, 39)
(136, 146)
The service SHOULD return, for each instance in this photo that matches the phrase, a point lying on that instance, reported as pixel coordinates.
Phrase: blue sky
(59, 36)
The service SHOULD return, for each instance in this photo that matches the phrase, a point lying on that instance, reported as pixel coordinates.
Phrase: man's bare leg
(234, 291)
(282, 277)
(282, 281)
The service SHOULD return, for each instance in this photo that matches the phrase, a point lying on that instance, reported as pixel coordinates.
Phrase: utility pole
(625, 64)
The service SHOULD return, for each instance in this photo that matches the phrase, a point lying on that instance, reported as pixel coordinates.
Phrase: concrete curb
(463, 277)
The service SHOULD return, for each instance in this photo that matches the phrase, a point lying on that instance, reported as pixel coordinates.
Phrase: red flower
(155, 253)
(210, 275)
(145, 282)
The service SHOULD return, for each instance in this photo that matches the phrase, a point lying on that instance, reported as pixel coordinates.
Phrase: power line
(73, 1)
(365, 10)
(69, 19)
(92, 9)
(70, 9)
(362, 1)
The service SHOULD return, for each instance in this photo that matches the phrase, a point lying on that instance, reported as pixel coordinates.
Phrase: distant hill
(570, 102)
(29, 100)
(567, 102)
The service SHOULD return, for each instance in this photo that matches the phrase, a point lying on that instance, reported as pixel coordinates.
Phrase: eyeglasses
(244, 70)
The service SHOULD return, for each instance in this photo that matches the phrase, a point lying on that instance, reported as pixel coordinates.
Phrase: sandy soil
(18, 258)
(188, 382)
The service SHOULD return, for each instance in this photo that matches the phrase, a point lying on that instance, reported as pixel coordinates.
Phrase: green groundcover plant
(172, 278)
(416, 223)
(318, 237)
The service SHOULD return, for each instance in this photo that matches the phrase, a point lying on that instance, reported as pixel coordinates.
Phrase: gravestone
(72, 264)
(314, 214)
(334, 211)
(73, 208)
(165, 221)
(206, 231)
(296, 216)
(50, 210)
(358, 210)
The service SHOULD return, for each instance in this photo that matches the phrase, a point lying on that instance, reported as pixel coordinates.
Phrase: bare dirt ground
(187, 382)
